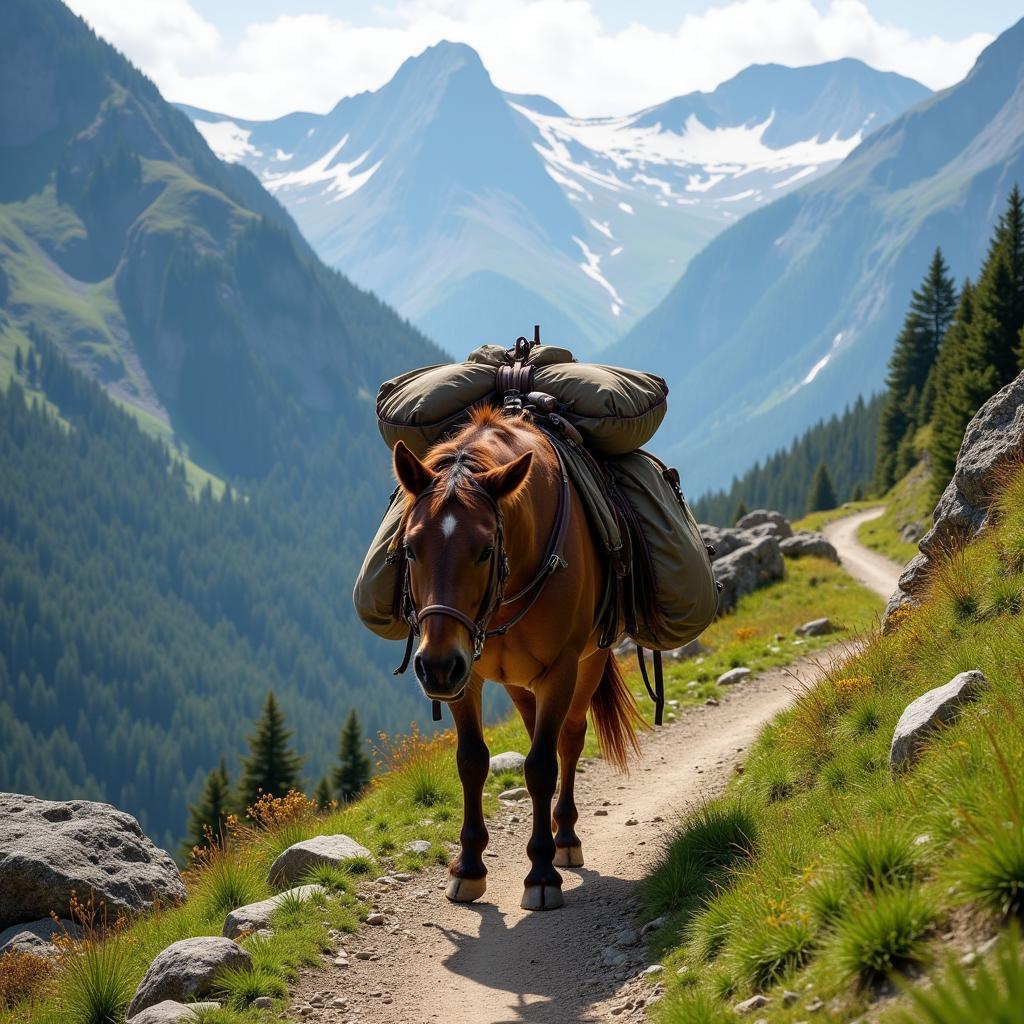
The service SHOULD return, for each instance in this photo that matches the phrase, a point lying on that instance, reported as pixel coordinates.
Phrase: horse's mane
(471, 451)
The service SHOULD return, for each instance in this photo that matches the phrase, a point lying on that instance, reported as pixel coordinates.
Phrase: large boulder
(36, 937)
(805, 543)
(766, 523)
(336, 850)
(747, 569)
(993, 440)
(932, 709)
(51, 848)
(253, 916)
(188, 969)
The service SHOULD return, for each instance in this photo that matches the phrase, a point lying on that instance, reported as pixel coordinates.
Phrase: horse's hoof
(569, 857)
(542, 897)
(465, 890)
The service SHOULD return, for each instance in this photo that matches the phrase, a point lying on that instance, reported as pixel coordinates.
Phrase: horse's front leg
(554, 692)
(468, 876)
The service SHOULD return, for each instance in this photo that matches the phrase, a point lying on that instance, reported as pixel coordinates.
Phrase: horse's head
(454, 550)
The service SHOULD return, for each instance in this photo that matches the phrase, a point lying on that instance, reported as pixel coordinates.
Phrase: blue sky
(264, 58)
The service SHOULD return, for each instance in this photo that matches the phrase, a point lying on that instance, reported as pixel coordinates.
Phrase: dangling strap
(657, 693)
(407, 657)
(435, 710)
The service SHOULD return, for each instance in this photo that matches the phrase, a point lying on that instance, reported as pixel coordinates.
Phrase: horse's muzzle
(443, 678)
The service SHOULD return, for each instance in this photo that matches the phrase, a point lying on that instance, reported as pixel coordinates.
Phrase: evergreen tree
(822, 495)
(207, 817)
(927, 320)
(19, 363)
(272, 766)
(857, 494)
(322, 796)
(352, 775)
(32, 367)
(739, 511)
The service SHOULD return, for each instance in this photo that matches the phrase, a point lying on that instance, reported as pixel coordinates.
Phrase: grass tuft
(239, 986)
(876, 857)
(98, 981)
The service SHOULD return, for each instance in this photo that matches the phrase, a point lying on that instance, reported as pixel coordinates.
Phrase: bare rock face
(187, 969)
(51, 848)
(993, 440)
(291, 865)
(767, 523)
(930, 710)
(746, 569)
(804, 543)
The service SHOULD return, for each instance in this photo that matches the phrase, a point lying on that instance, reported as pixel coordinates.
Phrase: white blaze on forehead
(448, 525)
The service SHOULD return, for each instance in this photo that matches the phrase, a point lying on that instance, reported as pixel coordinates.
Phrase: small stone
(376, 918)
(711, 702)
(632, 821)
(600, 813)
(613, 957)
(751, 1004)
(341, 961)
(652, 970)
(402, 876)
(938, 706)
(815, 1005)
(653, 925)
(969, 958)
(626, 937)
(816, 627)
(363, 954)
(339, 1003)
(519, 793)
(789, 997)
(988, 945)
(509, 761)
(262, 1003)
(733, 676)
(418, 846)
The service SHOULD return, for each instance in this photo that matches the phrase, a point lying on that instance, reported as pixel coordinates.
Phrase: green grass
(421, 799)
(854, 875)
(908, 502)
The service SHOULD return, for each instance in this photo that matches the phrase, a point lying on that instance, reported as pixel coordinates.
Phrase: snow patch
(591, 266)
(341, 178)
(625, 208)
(602, 226)
(228, 140)
(823, 362)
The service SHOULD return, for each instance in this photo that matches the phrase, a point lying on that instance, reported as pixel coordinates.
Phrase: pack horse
(512, 553)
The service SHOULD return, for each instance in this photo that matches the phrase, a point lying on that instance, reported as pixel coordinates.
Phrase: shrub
(21, 976)
(990, 868)
(881, 934)
(995, 996)
(826, 898)
(97, 981)
(226, 878)
(239, 986)
(877, 857)
(695, 1006)
(766, 951)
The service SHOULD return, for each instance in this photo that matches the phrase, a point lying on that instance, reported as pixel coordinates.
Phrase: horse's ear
(411, 473)
(504, 481)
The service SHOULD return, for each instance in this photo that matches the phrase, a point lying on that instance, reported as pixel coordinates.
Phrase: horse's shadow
(554, 969)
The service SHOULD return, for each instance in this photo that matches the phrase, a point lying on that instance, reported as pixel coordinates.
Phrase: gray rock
(751, 1004)
(254, 916)
(911, 533)
(691, 650)
(294, 862)
(418, 846)
(747, 569)
(170, 1011)
(816, 627)
(509, 761)
(898, 600)
(49, 848)
(262, 1003)
(36, 937)
(519, 793)
(187, 969)
(805, 543)
(733, 676)
(931, 709)
(776, 523)
(613, 957)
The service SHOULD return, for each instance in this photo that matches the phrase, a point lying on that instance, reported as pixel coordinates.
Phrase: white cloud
(556, 47)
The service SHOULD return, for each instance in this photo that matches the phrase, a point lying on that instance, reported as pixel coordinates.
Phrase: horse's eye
(485, 554)
(409, 554)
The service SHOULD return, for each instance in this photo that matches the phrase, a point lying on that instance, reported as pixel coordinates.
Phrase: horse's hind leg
(543, 884)
(568, 848)
(468, 876)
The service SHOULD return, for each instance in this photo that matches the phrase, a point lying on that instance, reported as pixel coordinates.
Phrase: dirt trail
(491, 962)
(875, 571)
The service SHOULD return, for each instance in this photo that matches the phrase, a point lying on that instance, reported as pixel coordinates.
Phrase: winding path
(875, 571)
(493, 963)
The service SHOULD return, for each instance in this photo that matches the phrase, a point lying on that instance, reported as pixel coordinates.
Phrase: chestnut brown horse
(483, 513)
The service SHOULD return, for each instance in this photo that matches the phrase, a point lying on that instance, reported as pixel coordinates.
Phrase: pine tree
(352, 775)
(739, 512)
(19, 362)
(272, 766)
(821, 495)
(322, 796)
(928, 318)
(207, 817)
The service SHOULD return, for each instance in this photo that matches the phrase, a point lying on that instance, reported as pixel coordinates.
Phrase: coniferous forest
(142, 629)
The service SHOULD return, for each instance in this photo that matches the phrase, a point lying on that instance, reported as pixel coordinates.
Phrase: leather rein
(494, 598)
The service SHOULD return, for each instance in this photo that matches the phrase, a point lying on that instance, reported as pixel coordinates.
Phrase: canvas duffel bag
(615, 410)
(376, 593)
(671, 594)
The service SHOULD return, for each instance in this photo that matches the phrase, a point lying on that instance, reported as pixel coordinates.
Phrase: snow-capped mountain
(477, 213)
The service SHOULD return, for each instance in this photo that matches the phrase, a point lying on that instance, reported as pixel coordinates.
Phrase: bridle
(494, 598)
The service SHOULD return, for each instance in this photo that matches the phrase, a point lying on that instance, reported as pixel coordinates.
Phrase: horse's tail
(616, 716)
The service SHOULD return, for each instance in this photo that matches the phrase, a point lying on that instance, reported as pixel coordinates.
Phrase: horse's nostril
(458, 669)
(419, 668)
